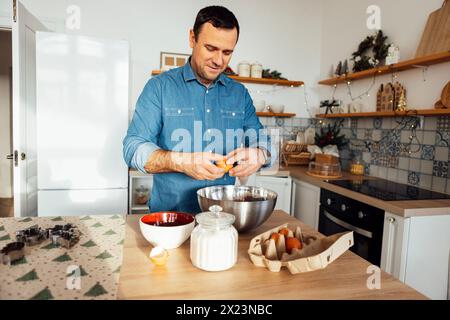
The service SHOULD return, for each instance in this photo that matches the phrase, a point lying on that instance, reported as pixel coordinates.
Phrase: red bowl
(167, 219)
(167, 229)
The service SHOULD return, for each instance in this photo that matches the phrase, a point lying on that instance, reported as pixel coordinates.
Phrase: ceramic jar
(244, 69)
(256, 70)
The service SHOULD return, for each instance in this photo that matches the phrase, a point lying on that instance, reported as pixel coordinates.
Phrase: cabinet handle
(391, 219)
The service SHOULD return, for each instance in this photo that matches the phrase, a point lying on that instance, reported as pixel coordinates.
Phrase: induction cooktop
(388, 190)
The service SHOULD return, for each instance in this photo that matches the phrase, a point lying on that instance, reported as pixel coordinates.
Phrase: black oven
(339, 213)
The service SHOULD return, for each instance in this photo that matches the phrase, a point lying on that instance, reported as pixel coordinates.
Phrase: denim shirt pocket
(232, 119)
(179, 112)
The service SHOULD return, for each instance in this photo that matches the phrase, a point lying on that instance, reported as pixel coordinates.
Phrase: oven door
(365, 244)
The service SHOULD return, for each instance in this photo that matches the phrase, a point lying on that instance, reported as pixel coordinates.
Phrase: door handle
(10, 156)
(16, 158)
(348, 226)
(23, 156)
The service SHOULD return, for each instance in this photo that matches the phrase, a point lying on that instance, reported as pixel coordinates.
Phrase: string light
(408, 121)
(278, 88)
(365, 93)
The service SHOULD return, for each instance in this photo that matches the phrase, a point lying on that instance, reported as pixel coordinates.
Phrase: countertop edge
(406, 209)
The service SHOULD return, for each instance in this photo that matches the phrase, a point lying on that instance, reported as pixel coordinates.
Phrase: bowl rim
(234, 201)
(159, 212)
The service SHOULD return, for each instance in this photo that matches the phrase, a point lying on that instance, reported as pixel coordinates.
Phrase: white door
(82, 117)
(24, 27)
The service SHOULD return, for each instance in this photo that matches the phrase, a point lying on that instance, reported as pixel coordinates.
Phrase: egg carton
(315, 253)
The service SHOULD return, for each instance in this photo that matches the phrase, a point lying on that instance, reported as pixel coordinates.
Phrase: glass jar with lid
(357, 167)
(142, 195)
(214, 241)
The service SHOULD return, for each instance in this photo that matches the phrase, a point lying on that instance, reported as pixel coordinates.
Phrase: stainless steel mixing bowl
(250, 205)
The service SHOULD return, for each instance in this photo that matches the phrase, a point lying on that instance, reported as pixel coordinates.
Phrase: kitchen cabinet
(416, 251)
(306, 203)
(136, 201)
(282, 186)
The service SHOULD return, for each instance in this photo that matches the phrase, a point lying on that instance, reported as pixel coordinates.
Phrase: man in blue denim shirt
(188, 118)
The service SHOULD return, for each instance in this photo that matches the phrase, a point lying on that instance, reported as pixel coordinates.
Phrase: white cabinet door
(428, 250)
(282, 186)
(395, 238)
(306, 203)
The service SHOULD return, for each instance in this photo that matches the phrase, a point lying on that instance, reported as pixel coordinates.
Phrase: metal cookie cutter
(12, 252)
(31, 236)
(65, 236)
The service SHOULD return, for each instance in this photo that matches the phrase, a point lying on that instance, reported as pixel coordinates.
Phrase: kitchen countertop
(345, 278)
(404, 208)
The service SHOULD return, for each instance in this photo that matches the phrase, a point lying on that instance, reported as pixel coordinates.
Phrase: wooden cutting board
(444, 102)
(436, 36)
(445, 96)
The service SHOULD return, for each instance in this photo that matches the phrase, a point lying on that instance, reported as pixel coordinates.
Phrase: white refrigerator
(82, 90)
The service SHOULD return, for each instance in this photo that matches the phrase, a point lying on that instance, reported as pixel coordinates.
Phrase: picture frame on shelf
(171, 60)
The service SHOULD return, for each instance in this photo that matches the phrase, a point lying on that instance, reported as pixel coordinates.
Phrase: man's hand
(198, 165)
(249, 161)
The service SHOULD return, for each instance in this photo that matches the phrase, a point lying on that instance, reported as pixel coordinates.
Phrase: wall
(382, 144)
(5, 134)
(283, 35)
(403, 21)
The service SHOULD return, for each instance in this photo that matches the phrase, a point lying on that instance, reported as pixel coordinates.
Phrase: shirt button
(179, 111)
(207, 110)
(233, 114)
(207, 91)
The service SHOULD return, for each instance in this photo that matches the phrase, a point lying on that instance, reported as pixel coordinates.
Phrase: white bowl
(167, 229)
(277, 108)
(260, 105)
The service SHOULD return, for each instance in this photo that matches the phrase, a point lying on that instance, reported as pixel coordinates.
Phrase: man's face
(212, 51)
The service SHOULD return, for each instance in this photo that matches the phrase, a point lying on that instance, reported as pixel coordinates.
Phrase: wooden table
(345, 278)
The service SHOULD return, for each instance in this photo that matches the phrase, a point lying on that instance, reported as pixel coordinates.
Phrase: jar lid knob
(215, 209)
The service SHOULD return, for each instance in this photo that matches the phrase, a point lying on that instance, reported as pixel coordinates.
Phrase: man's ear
(191, 38)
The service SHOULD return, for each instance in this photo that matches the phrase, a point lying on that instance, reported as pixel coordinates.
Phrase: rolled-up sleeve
(262, 138)
(144, 130)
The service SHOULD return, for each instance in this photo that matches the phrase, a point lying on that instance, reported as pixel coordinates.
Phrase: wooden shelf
(423, 112)
(271, 114)
(276, 82)
(401, 66)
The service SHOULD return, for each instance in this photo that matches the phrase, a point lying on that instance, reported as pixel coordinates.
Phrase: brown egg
(223, 164)
(292, 243)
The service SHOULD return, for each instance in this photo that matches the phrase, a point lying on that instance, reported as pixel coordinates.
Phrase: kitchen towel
(88, 270)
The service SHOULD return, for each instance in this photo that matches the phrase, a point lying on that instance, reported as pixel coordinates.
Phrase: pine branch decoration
(331, 136)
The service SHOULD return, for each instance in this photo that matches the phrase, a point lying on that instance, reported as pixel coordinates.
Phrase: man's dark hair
(219, 17)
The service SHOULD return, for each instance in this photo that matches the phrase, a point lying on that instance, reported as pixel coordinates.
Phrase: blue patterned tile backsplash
(390, 148)
(428, 152)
